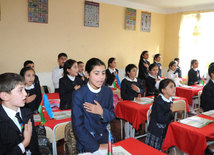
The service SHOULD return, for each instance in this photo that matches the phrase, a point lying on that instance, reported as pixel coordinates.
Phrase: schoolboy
(57, 72)
(17, 133)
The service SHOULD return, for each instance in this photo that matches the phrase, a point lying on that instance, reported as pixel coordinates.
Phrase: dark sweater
(143, 71)
(110, 77)
(150, 86)
(207, 96)
(127, 93)
(193, 76)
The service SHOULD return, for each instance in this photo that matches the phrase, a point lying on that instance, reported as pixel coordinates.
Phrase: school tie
(20, 121)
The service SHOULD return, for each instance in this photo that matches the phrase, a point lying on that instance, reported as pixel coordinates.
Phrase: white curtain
(196, 41)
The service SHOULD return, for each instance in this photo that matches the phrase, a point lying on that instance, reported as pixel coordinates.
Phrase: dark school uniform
(143, 71)
(193, 76)
(110, 76)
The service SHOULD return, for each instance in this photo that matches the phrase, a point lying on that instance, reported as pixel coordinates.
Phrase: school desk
(189, 139)
(188, 93)
(136, 147)
(134, 113)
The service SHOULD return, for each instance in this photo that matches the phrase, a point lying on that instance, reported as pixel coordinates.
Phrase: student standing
(111, 72)
(34, 95)
(143, 65)
(131, 86)
(68, 84)
(157, 59)
(81, 72)
(17, 132)
(57, 73)
(92, 109)
(194, 73)
(178, 70)
(161, 114)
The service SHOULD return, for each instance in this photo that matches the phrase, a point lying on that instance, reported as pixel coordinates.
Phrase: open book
(186, 86)
(143, 100)
(209, 113)
(196, 121)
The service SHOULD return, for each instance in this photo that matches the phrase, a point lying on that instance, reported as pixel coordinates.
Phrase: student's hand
(156, 80)
(30, 98)
(103, 146)
(27, 133)
(134, 87)
(115, 73)
(94, 109)
(195, 83)
(146, 65)
(77, 87)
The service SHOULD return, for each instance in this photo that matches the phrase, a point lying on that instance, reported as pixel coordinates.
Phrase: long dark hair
(171, 64)
(91, 63)
(68, 64)
(192, 62)
(164, 83)
(156, 56)
(24, 70)
(128, 68)
(110, 60)
(142, 54)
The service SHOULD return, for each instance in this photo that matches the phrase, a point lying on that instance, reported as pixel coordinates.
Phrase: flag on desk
(110, 152)
(202, 81)
(116, 82)
(45, 110)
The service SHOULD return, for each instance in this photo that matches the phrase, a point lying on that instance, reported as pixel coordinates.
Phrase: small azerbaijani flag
(202, 81)
(116, 83)
(22, 126)
(110, 152)
(45, 110)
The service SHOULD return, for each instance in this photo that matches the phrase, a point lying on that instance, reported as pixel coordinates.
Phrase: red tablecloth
(134, 112)
(136, 147)
(188, 93)
(52, 123)
(53, 95)
(189, 139)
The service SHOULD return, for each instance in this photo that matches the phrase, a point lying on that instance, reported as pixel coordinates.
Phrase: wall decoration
(91, 17)
(130, 19)
(38, 11)
(145, 21)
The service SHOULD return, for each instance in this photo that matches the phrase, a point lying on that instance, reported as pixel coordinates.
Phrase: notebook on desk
(196, 121)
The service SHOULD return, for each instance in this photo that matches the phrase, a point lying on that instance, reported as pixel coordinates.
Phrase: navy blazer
(127, 93)
(193, 76)
(207, 96)
(150, 86)
(161, 114)
(10, 135)
(66, 89)
(143, 71)
(90, 129)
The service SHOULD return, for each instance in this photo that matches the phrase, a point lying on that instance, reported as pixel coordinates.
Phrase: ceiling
(164, 6)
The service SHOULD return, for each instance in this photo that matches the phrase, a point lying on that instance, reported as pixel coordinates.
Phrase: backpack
(70, 140)
(43, 142)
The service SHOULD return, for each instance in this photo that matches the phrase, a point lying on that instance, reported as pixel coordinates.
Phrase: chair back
(179, 105)
(148, 115)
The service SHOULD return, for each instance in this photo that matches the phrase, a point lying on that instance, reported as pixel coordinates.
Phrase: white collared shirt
(72, 78)
(127, 78)
(11, 114)
(81, 74)
(195, 69)
(30, 87)
(165, 99)
(56, 75)
(92, 89)
(112, 71)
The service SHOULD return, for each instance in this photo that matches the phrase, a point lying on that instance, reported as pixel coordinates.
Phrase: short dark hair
(62, 55)
(8, 81)
(91, 63)
(68, 64)
(156, 56)
(176, 59)
(110, 60)
(129, 67)
(164, 83)
(24, 70)
(211, 69)
(152, 66)
(27, 62)
(79, 62)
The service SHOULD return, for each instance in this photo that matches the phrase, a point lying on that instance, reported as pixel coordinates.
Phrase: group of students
(90, 97)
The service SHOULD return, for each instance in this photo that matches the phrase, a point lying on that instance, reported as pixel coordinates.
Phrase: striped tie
(20, 121)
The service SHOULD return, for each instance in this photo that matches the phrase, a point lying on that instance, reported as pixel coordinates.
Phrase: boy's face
(81, 67)
(16, 98)
(62, 60)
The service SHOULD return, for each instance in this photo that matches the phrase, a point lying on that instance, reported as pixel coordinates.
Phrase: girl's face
(81, 67)
(113, 64)
(158, 59)
(73, 71)
(146, 56)
(154, 71)
(29, 77)
(97, 77)
(195, 64)
(169, 91)
(133, 73)
(173, 67)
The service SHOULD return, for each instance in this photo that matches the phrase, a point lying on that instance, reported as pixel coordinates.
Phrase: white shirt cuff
(138, 90)
(21, 146)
